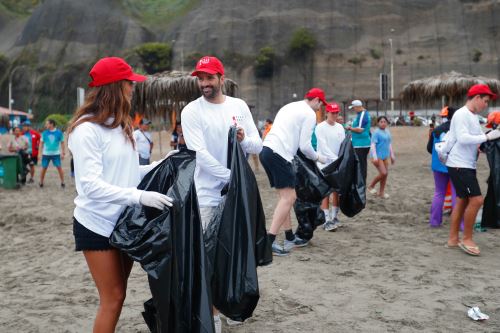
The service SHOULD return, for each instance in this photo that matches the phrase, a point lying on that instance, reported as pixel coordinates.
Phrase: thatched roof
(453, 86)
(165, 92)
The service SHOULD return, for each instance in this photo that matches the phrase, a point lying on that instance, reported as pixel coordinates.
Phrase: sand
(385, 271)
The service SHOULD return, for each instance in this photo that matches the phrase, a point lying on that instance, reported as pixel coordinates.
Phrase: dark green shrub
(265, 62)
(302, 43)
(155, 57)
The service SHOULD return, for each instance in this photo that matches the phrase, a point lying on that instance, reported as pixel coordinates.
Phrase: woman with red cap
(107, 172)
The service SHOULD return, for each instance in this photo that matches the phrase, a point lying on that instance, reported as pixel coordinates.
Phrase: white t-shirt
(143, 143)
(106, 175)
(292, 129)
(464, 137)
(205, 127)
(329, 138)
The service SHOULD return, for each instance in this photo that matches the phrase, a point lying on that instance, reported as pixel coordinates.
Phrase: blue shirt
(382, 141)
(52, 142)
(361, 140)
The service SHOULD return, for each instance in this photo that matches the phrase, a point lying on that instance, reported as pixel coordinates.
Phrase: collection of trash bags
(312, 185)
(491, 207)
(187, 273)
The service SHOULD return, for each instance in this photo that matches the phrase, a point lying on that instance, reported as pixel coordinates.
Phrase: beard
(210, 91)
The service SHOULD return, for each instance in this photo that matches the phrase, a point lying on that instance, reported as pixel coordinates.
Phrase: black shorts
(86, 240)
(279, 171)
(34, 159)
(465, 182)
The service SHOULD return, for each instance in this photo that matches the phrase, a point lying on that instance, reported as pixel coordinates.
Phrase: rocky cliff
(428, 37)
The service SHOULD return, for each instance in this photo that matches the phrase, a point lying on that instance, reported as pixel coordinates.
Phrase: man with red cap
(462, 144)
(330, 135)
(205, 123)
(292, 130)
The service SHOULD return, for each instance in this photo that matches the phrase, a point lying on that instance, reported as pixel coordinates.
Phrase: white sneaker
(217, 324)
(330, 225)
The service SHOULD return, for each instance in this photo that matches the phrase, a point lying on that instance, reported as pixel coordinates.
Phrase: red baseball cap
(481, 89)
(332, 107)
(316, 92)
(210, 65)
(112, 69)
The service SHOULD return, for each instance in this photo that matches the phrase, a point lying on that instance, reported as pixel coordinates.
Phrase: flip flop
(448, 246)
(469, 249)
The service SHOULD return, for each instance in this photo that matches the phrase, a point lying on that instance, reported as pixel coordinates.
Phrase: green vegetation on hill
(157, 13)
(18, 7)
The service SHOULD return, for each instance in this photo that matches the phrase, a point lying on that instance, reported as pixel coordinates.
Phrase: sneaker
(297, 242)
(279, 251)
(63, 185)
(336, 221)
(217, 324)
(372, 191)
(31, 181)
(231, 322)
(40, 184)
(330, 225)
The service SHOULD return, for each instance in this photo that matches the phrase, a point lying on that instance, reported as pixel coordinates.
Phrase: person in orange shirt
(267, 127)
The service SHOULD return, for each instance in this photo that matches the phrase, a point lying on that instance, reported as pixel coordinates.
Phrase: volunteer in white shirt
(292, 130)
(462, 142)
(205, 123)
(106, 175)
(144, 141)
(330, 135)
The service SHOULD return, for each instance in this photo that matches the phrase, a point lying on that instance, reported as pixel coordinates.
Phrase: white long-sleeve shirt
(329, 138)
(292, 129)
(205, 127)
(106, 175)
(464, 137)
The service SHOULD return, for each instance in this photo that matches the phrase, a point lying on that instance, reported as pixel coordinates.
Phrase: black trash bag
(236, 240)
(310, 185)
(339, 173)
(353, 201)
(169, 246)
(491, 207)
(309, 217)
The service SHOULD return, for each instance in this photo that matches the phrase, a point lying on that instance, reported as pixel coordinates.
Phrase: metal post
(10, 86)
(392, 78)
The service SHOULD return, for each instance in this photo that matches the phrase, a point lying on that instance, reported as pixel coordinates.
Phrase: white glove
(155, 200)
(493, 135)
(322, 159)
(170, 153)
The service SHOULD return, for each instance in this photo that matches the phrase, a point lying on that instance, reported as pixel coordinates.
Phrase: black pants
(362, 154)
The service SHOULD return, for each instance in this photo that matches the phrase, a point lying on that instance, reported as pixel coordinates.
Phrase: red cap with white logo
(210, 65)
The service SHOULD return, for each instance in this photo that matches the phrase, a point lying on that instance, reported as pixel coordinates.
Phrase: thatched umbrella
(453, 86)
(166, 93)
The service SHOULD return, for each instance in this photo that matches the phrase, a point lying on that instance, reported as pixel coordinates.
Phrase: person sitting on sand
(382, 155)
(107, 173)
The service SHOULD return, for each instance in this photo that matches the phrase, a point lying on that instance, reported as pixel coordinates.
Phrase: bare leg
(470, 217)
(456, 216)
(281, 214)
(383, 179)
(110, 270)
(61, 174)
(42, 175)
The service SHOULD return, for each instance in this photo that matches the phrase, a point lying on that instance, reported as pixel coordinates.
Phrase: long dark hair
(102, 103)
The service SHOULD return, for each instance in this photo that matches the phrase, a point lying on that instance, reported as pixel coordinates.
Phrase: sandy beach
(385, 271)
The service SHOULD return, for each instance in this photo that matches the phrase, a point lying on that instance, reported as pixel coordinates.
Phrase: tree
(155, 57)
(265, 62)
(302, 44)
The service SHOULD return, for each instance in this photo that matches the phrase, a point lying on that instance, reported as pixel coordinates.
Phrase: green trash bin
(10, 166)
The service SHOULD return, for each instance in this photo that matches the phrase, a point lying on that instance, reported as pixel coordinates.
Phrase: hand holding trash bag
(170, 153)
(493, 135)
(155, 200)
